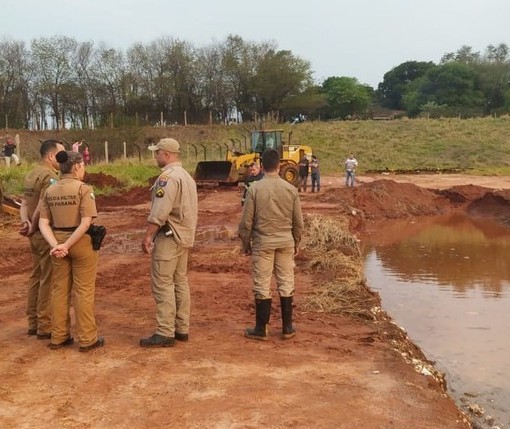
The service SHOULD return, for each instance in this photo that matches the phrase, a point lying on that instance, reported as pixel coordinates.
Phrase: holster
(97, 233)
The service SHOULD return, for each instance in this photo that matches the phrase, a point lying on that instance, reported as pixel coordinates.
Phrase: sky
(363, 39)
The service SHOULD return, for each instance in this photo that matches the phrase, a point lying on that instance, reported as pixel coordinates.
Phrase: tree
(182, 70)
(279, 75)
(14, 83)
(240, 60)
(53, 59)
(345, 96)
(464, 55)
(216, 91)
(163, 78)
(454, 85)
(395, 82)
(309, 102)
(108, 70)
(84, 102)
(496, 54)
(494, 74)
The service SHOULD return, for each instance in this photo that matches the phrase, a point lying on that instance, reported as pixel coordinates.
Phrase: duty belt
(69, 228)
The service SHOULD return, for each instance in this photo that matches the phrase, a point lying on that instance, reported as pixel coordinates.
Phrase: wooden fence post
(125, 151)
(106, 151)
(18, 149)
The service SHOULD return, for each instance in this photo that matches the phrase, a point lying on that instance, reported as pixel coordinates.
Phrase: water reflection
(456, 251)
(446, 280)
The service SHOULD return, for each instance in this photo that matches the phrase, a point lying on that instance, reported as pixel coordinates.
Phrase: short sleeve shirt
(67, 202)
(35, 184)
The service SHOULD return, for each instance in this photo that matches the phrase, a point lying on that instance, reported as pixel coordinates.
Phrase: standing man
(39, 284)
(316, 174)
(270, 230)
(9, 152)
(350, 169)
(303, 173)
(169, 236)
(255, 174)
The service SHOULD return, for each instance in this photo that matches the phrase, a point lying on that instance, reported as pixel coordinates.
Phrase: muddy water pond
(446, 281)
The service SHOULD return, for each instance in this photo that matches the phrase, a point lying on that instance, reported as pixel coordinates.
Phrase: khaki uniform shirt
(272, 217)
(66, 202)
(175, 200)
(35, 184)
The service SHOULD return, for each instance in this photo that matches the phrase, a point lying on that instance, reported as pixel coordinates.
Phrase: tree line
(465, 83)
(59, 82)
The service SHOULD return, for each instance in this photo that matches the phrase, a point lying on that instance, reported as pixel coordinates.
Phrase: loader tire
(290, 173)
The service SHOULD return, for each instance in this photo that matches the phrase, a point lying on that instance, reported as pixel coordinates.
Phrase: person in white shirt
(350, 169)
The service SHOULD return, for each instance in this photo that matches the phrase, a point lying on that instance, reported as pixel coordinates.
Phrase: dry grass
(336, 253)
(324, 234)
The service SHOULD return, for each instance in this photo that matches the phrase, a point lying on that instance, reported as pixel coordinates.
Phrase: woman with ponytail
(67, 211)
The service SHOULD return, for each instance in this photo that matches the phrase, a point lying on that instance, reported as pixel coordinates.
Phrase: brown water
(446, 281)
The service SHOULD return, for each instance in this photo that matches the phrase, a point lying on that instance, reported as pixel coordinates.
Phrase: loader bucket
(216, 171)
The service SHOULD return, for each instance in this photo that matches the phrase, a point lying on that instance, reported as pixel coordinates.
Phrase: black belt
(69, 229)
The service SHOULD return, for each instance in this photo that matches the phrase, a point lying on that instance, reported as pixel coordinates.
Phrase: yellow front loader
(234, 168)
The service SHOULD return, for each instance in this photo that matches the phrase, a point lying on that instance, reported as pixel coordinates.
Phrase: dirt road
(336, 373)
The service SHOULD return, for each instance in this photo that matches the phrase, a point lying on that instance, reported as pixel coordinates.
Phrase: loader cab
(267, 139)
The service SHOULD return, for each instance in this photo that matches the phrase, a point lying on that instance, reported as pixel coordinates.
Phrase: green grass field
(478, 146)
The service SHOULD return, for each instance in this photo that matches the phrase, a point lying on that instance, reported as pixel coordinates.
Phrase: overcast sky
(358, 38)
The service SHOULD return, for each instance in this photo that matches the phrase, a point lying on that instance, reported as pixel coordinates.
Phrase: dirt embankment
(385, 199)
(338, 372)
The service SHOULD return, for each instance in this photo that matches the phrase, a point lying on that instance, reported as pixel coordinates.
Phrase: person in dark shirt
(9, 152)
(316, 175)
(255, 174)
(303, 173)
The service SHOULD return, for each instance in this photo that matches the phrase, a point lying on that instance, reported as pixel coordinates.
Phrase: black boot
(262, 313)
(288, 331)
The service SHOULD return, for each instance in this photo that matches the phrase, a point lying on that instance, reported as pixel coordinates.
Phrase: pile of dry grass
(334, 251)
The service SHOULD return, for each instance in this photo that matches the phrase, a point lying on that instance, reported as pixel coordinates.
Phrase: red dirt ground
(336, 373)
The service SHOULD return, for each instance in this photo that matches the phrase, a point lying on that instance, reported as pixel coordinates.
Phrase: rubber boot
(262, 313)
(288, 331)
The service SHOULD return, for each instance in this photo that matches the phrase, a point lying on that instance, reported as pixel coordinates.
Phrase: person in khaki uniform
(270, 230)
(39, 284)
(169, 236)
(67, 211)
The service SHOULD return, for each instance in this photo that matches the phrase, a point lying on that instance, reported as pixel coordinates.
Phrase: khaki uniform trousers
(170, 289)
(264, 262)
(75, 273)
(39, 285)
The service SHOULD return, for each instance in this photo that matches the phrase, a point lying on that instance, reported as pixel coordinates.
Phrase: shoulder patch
(53, 181)
(163, 180)
(160, 193)
(92, 195)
